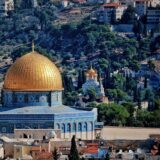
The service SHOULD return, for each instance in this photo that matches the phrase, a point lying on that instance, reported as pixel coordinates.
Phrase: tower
(93, 83)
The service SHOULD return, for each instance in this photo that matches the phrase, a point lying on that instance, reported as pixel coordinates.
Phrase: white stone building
(1, 151)
(5, 6)
(93, 83)
(153, 15)
(141, 7)
(111, 12)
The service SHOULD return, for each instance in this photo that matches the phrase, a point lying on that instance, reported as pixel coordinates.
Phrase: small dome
(52, 134)
(33, 72)
(91, 72)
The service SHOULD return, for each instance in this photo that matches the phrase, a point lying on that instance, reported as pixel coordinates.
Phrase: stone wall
(37, 134)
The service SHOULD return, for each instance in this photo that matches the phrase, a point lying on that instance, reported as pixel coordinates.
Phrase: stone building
(5, 6)
(111, 12)
(93, 83)
(32, 99)
(153, 15)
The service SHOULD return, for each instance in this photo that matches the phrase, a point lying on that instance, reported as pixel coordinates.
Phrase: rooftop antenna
(33, 46)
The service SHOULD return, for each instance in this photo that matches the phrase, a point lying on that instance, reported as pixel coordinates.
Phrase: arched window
(57, 126)
(74, 127)
(91, 126)
(63, 128)
(79, 126)
(68, 127)
(25, 135)
(4, 129)
(85, 126)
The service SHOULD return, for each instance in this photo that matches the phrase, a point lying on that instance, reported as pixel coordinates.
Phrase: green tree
(80, 79)
(157, 103)
(145, 82)
(138, 28)
(149, 95)
(107, 156)
(131, 109)
(130, 83)
(151, 65)
(92, 105)
(26, 4)
(92, 94)
(112, 114)
(55, 154)
(67, 83)
(73, 152)
(129, 15)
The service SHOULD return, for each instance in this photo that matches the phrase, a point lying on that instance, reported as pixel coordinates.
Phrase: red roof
(91, 150)
(44, 155)
(80, 1)
(92, 144)
(113, 5)
(35, 148)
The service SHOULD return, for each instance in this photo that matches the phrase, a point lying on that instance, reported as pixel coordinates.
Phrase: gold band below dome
(33, 72)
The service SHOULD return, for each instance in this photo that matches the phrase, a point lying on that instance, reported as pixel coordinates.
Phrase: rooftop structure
(5, 6)
(111, 12)
(93, 83)
(153, 15)
(32, 99)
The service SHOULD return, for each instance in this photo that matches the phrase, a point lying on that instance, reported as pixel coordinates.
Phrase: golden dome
(91, 72)
(33, 72)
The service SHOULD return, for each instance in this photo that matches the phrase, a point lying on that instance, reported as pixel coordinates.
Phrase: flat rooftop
(40, 110)
(128, 133)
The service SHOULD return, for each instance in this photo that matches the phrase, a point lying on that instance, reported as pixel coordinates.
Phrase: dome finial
(91, 66)
(33, 46)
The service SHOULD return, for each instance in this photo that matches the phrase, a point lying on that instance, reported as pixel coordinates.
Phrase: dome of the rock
(33, 72)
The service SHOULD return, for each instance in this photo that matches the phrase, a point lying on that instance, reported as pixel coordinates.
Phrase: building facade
(142, 6)
(32, 99)
(111, 12)
(93, 83)
(153, 15)
(5, 6)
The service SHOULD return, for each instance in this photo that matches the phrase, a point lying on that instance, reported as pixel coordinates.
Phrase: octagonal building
(32, 99)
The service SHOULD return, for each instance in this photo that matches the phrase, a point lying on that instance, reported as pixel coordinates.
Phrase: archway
(57, 126)
(63, 130)
(80, 129)
(68, 130)
(85, 130)
(74, 128)
(25, 135)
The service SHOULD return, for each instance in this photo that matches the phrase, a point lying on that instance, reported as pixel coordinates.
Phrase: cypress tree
(145, 82)
(73, 152)
(80, 79)
(55, 154)
(107, 156)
